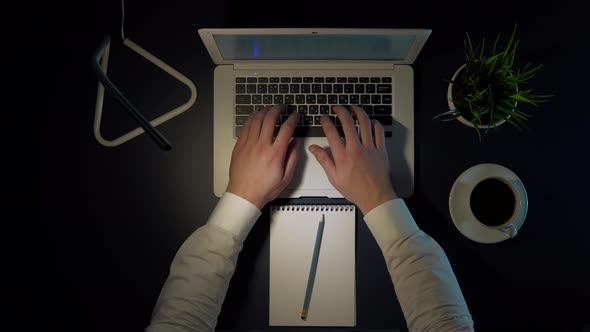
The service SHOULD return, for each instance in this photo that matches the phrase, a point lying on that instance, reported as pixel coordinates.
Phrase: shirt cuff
(235, 215)
(391, 220)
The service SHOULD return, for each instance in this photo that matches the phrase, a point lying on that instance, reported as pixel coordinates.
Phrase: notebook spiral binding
(322, 208)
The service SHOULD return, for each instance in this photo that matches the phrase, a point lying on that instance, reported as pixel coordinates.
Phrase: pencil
(314, 265)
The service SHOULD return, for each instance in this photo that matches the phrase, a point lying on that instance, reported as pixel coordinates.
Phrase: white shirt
(424, 282)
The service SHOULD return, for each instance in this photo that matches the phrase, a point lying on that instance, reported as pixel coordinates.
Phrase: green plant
(489, 88)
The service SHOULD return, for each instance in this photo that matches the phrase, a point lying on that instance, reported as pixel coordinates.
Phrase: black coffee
(492, 202)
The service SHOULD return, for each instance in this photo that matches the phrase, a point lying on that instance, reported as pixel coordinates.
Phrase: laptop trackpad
(309, 174)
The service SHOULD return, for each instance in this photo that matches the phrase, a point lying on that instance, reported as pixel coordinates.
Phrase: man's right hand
(360, 167)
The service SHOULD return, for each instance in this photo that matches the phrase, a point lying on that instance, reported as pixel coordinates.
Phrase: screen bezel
(209, 41)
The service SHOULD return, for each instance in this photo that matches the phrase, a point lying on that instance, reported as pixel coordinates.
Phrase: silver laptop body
(310, 70)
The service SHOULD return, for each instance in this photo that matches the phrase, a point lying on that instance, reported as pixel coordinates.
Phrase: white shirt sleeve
(192, 296)
(424, 282)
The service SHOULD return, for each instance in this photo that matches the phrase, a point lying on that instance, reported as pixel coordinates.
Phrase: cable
(123, 19)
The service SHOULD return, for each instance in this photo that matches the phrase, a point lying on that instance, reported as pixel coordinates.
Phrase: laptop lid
(234, 46)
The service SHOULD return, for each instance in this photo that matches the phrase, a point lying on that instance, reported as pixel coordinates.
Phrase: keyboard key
(308, 120)
(348, 88)
(296, 80)
(240, 120)
(291, 109)
(368, 109)
(375, 80)
(343, 99)
(383, 88)
(326, 88)
(244, 109)
(302, 109)
(332, 99)
(370, 88)
(243, 99)
(330, 79)
(364, 80)
(284, 118)
(256, 99)
(375, 99)
(305, 88)
(322, 99)
(313, 109)
(289, 99)
(365, 99)
(267, 99)
(353, 80)
(310, 99)
(386, 99)
(386, 79)
(354, 99)
(308, 80)
(359, 88)
(316, 88)
(300, 99)
(283, 88)
(316, 120)
(318, 80)
(285, 79)
(240, 88)
(263, 80)
(384, 120)
(251, 80)
(251, 88)
(240, 80)
(262, 88)
(338, 88)
(382, 109)
(294, 88)
(238, 131)
(278, 99)
(274, 80)
(273, 88)
(258, 108)
(324, 109)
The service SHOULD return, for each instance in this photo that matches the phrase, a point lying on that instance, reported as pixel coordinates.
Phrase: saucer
(460, 209)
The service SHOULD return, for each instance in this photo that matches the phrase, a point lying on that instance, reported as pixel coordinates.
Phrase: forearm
(424, 282)
(200, 273)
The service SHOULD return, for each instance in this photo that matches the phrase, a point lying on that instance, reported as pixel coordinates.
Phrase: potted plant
(486, 91)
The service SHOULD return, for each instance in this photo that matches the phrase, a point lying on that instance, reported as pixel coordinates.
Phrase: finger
(291, 162)
(365, 126)
(286, 132)
(322, 156)
(255, 125)
(243, 138)
(268, 124)
(332, 135)
(379, 135)
(347, 125)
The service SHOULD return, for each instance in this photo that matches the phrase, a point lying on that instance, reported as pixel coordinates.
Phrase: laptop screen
(314, 46)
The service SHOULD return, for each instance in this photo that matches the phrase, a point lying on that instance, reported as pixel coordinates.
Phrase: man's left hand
(260, 167)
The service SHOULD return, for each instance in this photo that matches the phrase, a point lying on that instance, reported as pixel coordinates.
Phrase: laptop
(311, 70)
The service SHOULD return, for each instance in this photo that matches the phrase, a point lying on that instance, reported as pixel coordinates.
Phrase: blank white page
(293, 231)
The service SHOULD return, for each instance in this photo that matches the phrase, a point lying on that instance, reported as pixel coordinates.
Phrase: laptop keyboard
(312, 97)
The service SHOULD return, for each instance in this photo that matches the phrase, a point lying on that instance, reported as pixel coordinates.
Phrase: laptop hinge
(313, 65)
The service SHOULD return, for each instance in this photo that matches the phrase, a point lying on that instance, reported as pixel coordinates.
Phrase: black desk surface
(123, 212)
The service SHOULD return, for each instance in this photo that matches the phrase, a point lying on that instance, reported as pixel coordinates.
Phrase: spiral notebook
(293, 231)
